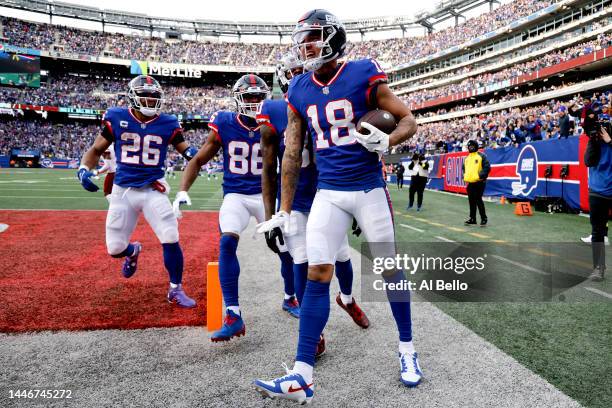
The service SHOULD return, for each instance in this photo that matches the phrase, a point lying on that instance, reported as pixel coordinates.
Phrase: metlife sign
(164, 69)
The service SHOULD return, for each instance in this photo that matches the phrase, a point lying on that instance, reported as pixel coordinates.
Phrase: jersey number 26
(140, 150)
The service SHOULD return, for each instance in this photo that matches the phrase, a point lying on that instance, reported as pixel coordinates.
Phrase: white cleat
(410, 370)
(291, 387)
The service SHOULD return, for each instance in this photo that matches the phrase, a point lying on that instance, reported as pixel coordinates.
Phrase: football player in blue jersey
(141, 134)
(273, 116)
(238, 135)
(328, 101)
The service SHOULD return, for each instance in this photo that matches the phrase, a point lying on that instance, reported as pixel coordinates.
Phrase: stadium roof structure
(445, 9)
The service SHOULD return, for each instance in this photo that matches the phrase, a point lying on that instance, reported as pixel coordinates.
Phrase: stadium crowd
(395, 51)
(491, 78)
(62, 141)
(502, 128)
(101, 93)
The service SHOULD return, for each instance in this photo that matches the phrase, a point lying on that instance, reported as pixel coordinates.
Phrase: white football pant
(332, 215)
(126, 203)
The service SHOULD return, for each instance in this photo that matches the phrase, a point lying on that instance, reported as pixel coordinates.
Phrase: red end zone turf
(55, 273)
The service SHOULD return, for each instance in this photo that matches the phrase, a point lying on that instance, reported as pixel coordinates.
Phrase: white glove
(280, 220)
(375, 141)
(181, 198)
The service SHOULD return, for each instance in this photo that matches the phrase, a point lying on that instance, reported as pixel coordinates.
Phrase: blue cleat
(292, 307)
(177, 295)
(410, 372)
(291, 386)
(408, 208)
(233, 326)
(131, 262)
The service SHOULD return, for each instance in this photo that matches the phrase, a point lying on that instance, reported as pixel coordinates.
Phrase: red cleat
(355, 312)
(320, 347)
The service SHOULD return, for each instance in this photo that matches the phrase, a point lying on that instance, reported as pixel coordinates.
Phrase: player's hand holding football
(278, 220)
(84, 175)
(181, 198)
(375, 141)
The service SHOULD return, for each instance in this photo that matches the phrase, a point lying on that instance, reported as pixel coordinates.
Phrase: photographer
(419, 168)
(399, 172)
(598, 158)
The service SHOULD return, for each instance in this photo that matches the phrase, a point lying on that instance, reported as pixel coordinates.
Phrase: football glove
(375, 141)
(278, 220)
(181, 198)
(275, 240)
(84, 175)
(356, 229)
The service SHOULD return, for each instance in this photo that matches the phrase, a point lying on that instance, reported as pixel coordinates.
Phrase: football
(382, 119)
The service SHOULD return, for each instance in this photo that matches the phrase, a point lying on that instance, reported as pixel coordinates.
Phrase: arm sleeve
(177, 136)
(592, 153)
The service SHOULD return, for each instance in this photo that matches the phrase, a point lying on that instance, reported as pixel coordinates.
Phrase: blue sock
(229, 269)
(126, 252)
(287, 272)
(314, 312)
(344, 273)
(173, 260)
(300, 275)
(399, 300)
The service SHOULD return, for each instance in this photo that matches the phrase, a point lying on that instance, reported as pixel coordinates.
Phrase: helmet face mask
(318, 38)
(145, 95)
(287, 68)
(249, 92)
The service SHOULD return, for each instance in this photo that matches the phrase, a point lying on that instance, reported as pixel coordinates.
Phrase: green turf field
(567, 343)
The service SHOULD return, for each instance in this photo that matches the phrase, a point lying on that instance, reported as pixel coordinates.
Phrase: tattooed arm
(292, 158)
(407, 125)
(269, 176)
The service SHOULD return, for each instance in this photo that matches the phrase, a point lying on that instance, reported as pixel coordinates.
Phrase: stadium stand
(456, 96)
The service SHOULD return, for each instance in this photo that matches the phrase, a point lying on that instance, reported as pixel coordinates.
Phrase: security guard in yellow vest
(476, 169)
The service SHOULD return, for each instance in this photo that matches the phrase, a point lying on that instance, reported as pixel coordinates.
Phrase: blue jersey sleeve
(216, 123)
(265, 114)
(109, 122)
(295, 88)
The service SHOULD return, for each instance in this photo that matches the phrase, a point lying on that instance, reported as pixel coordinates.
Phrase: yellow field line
(456, 229)
(538, 252)
(477, 235)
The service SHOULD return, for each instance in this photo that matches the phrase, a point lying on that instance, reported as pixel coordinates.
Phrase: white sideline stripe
(599, 292)
(412, 228)
(520, 265)
(444, 239)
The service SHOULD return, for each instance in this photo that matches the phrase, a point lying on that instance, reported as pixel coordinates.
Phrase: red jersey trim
(331, 81)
